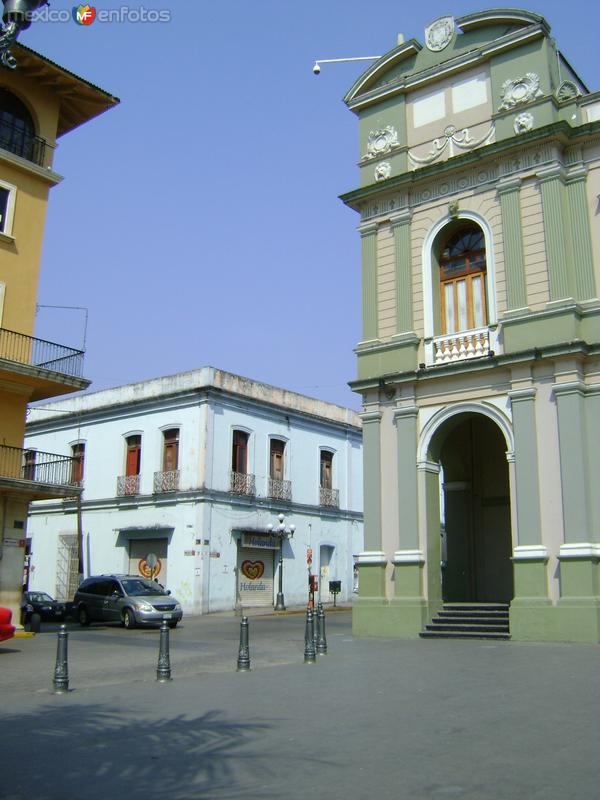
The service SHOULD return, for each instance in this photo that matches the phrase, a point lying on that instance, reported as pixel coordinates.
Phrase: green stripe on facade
(403, 273)
(369, 282)
(526, 467)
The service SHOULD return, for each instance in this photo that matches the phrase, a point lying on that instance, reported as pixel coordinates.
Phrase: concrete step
(472, 619)
(437, 626)
(487, 607)
(463, 635)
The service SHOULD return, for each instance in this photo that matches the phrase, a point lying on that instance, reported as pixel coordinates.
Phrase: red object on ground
(7, 631)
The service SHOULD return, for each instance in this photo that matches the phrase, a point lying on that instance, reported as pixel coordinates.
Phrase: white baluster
(462, 350)
(486, 344)
(454, 351)
(478, 348)
(470, 348)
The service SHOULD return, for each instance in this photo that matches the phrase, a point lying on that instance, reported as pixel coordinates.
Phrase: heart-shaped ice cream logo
(253, 570)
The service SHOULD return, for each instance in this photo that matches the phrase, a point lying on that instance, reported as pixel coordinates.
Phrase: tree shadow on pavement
(90, 752)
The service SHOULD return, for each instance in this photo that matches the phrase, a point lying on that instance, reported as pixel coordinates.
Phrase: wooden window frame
(467, 275)
(239, 451)
(133, 447)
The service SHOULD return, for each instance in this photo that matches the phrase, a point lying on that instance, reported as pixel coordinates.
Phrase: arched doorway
(476, 543)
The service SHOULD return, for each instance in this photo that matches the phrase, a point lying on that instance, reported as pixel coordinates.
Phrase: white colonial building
(184, 478)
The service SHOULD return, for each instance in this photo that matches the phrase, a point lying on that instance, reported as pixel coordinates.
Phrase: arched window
(462, 266)
(17, 131)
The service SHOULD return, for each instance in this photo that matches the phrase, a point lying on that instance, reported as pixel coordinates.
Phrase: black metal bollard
(163, 670)
(61, 670)
(243, 662)
(321, 638)
(310, 655)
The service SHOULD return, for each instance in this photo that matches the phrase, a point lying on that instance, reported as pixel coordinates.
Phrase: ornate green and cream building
(479, 364)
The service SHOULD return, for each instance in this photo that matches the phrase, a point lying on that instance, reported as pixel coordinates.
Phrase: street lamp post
(15, 18)
(284, 533)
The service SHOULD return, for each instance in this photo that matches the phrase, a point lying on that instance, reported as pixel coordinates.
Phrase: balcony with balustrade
(166, 481)
(36, 474)
(242, 483)
(45, 368)
(329, 497)
(128, 485)
(20, 142)
(279, 489)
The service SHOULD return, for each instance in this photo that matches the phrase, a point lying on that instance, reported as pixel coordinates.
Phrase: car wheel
(173, 624)
(83, 616)
(128, 619)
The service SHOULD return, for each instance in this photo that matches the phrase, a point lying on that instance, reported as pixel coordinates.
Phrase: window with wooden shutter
(133, 458)
(171, 450)
(78, 455)
(239, 456)
(462, 281)
(276, 462)
(326, 469)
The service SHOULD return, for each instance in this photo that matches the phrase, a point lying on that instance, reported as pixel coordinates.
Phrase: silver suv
(129, 599)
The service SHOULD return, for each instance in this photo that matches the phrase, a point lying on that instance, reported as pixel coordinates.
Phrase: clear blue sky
(199, 221)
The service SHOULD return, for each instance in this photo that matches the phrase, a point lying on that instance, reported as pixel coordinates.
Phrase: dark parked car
(41, 603)
(129, 599)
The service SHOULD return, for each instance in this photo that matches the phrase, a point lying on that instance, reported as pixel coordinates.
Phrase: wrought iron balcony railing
(40, 353)
(280, 490)
(329, 497)
(166, 481)
(18, 141)
(242, 483)
(128, 485)
(36, 466)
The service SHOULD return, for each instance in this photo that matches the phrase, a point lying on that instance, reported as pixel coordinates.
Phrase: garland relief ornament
(453, 138)
(383, 171)
(517, 91)
(381, 141)
(439, 34)
(523, 122)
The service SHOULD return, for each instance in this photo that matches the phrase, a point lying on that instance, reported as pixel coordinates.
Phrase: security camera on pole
(284, 533)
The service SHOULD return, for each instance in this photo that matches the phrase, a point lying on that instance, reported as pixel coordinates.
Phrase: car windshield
(39, 597)
(137, 587)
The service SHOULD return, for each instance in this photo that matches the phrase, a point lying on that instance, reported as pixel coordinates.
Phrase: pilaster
(529, 528)
(403, 271)
(509, 191)
(555, 231)
(572, 439)
(369, 282)
(585, 284)
(405, 420)
(371, 426)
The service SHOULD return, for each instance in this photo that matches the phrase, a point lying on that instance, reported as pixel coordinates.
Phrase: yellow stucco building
(40, 101)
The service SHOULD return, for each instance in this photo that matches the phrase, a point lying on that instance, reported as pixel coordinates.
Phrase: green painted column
(403, 271)
(529, 609)
(556, 232)
(509, 191)
(578, 611)
(371, 426)
(526, 467)
(405, 420)
(572, 436)
(369, 282)
(592, 426)
(585, 284)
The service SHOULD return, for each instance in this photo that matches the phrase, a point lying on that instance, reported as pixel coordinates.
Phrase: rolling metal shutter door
(255, 576)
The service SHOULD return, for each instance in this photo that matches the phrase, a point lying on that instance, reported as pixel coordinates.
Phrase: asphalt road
(425, 720)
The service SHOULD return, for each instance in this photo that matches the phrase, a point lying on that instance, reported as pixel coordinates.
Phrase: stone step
(437, 626)
(487, 607)
(463, 635)
(473, 618)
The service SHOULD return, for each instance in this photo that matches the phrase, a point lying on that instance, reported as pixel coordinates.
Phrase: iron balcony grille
(36, 466)
(18, 141)
(280, 490)
(241, 483)
(40, 353)
(166, 481)
(127, 485)
(329, 497)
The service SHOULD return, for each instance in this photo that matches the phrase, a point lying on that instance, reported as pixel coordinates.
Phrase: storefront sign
(13, 542)
(262, 540)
